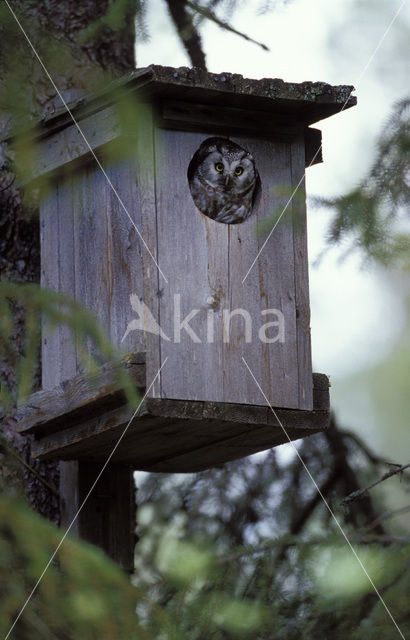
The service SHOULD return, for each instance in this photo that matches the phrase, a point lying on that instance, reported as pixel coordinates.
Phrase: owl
(223, 180)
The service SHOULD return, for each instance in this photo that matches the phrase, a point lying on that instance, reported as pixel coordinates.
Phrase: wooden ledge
(76, 399)
(81, 420)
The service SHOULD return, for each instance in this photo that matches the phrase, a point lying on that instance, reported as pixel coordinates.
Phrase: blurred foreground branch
(355, 495)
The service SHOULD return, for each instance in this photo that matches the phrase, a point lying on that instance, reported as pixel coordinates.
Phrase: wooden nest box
(222, 309)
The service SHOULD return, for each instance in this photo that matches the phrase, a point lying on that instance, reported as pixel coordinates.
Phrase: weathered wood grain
(93, 247)
(49, 278)
(206, 262)
(154, 438)
(111, 511)
(126, 253)
(108, 250)
(301, 274)
(66, 273)
(153, 280)
(178, 420)
(67, 145)
(72, 401)
(223, 120)
(179, 444)
(181, 435)
(193, 253)
(268, 286)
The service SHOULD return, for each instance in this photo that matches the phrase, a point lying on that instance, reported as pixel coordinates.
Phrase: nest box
(222, 310)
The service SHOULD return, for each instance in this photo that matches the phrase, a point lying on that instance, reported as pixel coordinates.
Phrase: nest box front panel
(236, 294)
(90, 251)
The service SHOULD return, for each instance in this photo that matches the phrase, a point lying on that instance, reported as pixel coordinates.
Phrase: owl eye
(219, 167)
(238, 171)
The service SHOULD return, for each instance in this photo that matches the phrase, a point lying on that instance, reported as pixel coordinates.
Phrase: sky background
(358, 312)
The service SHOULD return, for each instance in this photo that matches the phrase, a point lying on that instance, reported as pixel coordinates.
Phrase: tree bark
(83, 45)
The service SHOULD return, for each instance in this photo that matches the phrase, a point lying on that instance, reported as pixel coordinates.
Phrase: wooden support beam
(166, 435)
(108, 518)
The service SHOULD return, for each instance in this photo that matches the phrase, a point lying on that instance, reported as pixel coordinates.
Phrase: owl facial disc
(223, 180)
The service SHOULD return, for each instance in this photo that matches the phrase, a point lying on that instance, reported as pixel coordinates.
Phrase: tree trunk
(82, 45)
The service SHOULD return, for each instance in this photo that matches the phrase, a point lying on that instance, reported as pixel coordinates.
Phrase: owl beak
(227, 180)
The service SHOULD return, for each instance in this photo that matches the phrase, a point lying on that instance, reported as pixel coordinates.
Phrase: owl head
(221, 163)
(223, 180)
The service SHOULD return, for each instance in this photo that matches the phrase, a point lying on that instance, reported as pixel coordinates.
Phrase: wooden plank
(268, 289)
(66, 274)
(96, 435)
(69, 495)
(153, 440)
(222, 120)
(67, 145)
(125, 252)
(153, 281)
(301, 271)
(109, 517)
(73, 400)
(93, 247)
(49, 243)
(159, 416)
(108, 249)
(193, 251)
(170, 432)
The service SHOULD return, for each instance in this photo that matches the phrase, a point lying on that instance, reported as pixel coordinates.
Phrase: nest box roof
(305, 102)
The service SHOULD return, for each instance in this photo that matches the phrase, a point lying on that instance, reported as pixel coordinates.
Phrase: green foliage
(53, 310)
(188, 580)
(82, 595)
(374, 216)
(207, 591)
(192, 584)
(264, 540)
